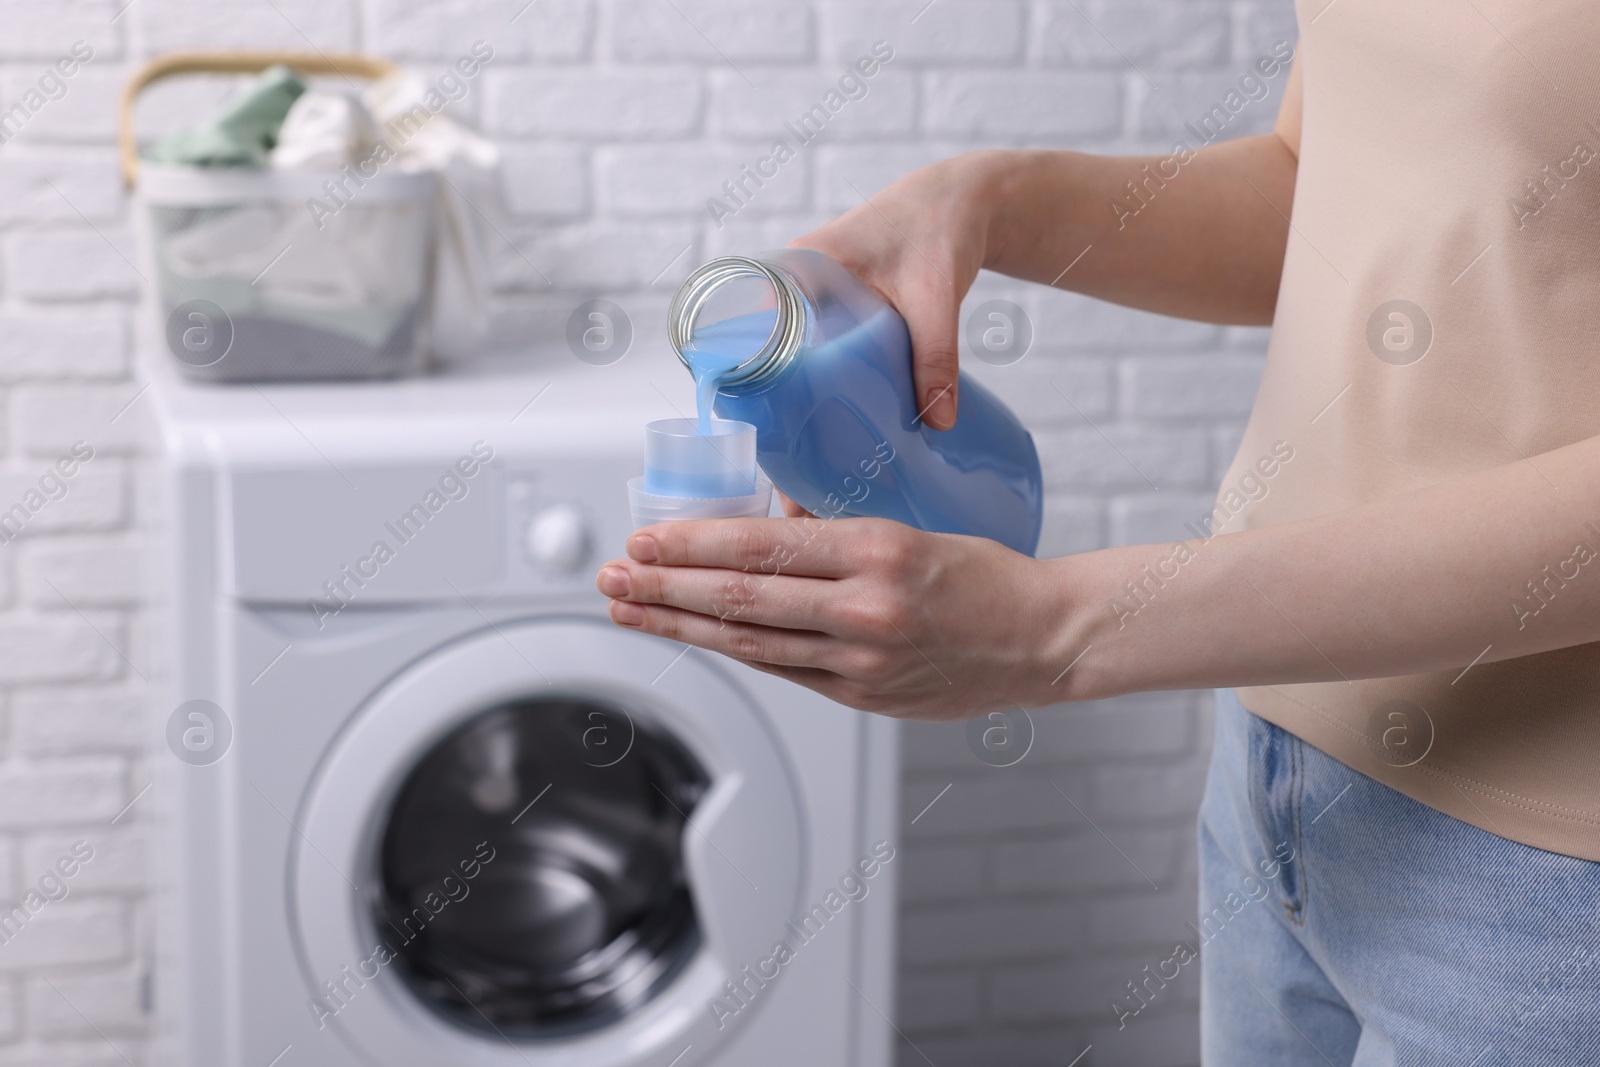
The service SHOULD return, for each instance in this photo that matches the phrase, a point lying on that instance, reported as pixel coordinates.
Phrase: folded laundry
(324, 131)
(410, 111)
(243, 133)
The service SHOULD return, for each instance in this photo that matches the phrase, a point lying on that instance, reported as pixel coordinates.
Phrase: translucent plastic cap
(688, 475)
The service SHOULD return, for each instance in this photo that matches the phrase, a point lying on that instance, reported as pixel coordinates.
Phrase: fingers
(829, 684)
(931, 307)
(822, 548)
(791, 509)
(786, 601)
(824, 682)
(741, 640)
(926, 293)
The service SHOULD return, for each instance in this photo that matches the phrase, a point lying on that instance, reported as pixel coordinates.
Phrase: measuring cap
(689, 475)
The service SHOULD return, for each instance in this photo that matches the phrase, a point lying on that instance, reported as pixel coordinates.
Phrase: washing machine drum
(582, 909)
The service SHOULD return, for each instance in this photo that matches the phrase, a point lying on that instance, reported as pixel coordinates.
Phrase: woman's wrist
(981, 187)
(996, 178)
(1064, 625)
(1019, 188)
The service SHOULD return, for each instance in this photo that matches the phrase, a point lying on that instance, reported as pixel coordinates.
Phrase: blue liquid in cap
(700, 465)
(704, 471)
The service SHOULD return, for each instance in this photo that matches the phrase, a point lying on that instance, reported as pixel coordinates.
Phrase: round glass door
(530, 873)
(603, 923)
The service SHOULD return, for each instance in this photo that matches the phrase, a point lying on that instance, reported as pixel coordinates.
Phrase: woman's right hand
(920, 244)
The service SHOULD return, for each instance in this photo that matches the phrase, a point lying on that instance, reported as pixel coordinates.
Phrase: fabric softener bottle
(794, 344)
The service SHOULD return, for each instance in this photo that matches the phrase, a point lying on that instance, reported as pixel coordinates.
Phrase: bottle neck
(781, 346)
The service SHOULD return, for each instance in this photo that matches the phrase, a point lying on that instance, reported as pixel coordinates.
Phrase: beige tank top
(1440, 314)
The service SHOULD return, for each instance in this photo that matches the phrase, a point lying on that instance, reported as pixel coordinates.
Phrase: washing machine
(420, 802)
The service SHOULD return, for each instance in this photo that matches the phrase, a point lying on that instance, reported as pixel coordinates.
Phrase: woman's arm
(1208, 242)
(1502, 563)
(1199, 237)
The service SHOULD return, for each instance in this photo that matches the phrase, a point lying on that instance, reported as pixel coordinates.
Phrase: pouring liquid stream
(717, 348)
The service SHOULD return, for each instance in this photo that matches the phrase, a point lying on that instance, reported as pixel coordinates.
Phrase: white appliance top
(542, 400)
(312, 477)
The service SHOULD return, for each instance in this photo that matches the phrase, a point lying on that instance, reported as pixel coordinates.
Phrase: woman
(1403, 571)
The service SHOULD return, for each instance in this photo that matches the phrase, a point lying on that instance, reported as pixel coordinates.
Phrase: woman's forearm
(1198, 235)
(1498, 564)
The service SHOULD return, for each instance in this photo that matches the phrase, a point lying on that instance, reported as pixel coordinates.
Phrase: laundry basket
(271, 275)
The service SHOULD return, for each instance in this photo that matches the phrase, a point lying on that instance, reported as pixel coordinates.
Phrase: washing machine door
(549, 843)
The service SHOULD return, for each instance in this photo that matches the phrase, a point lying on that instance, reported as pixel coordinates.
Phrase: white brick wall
(1031, 893)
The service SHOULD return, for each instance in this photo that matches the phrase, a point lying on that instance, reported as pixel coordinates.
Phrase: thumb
(931, 314)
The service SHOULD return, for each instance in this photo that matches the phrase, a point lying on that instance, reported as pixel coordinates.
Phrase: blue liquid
(716, 349)
(837, 431)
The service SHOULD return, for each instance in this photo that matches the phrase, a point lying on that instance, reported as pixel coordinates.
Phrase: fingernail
(627, 613)
(612, 581)
(941, 408)
(642, 547)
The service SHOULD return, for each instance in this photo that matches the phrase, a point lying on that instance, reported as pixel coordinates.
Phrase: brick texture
(1032, 893)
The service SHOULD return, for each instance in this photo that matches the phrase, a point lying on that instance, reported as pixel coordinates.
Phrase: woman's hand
(867, 612)
(920, 243)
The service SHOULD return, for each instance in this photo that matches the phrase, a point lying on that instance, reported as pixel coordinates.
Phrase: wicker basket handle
(205, 62)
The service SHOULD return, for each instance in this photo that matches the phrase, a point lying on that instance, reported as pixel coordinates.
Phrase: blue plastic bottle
(796, 345)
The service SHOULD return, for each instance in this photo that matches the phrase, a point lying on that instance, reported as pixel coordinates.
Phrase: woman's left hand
(868, 612)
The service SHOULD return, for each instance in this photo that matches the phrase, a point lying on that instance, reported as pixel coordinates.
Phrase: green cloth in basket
(245, 131)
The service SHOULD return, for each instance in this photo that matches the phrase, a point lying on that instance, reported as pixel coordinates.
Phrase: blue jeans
(1343, 923)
